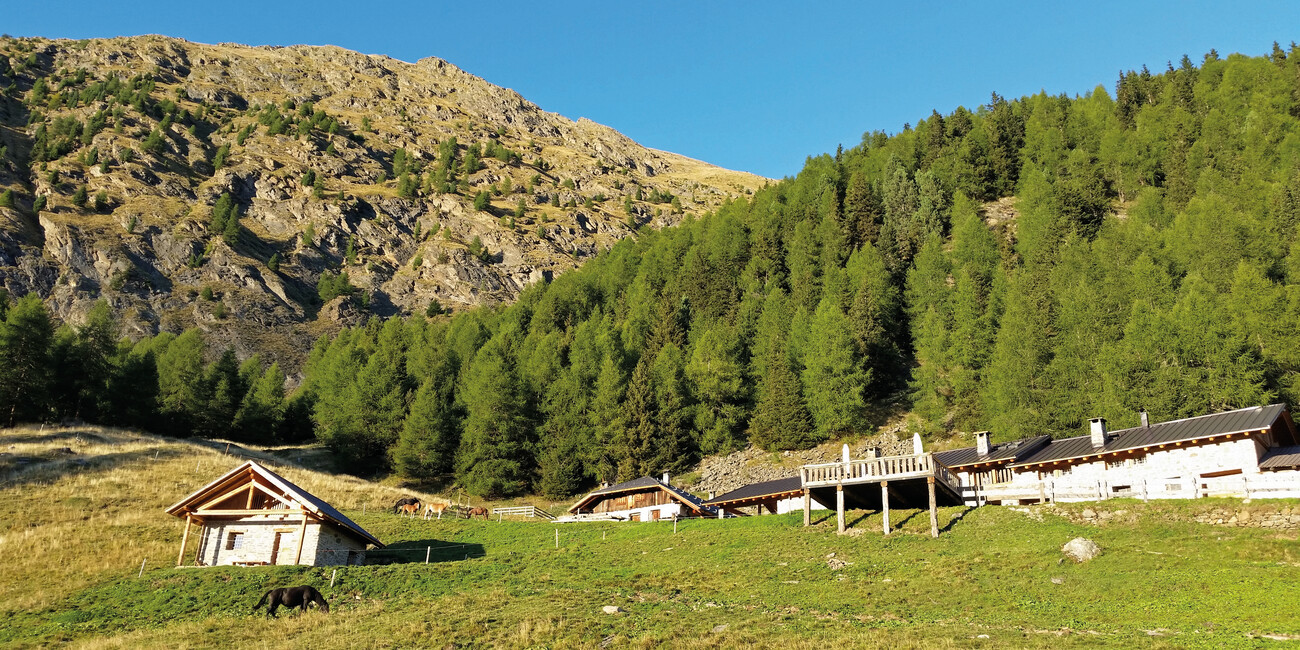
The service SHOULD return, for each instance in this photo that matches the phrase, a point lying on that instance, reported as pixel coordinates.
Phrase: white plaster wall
(795, 504)
(666, 511)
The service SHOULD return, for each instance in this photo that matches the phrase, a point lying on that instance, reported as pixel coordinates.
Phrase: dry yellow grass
(71, 519)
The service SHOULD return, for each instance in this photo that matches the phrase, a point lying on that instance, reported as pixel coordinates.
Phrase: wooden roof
(643, 484)
(244, 483)
(781, 488)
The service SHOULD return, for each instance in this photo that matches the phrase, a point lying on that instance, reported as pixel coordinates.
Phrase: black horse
(292, 597)
(405, 502)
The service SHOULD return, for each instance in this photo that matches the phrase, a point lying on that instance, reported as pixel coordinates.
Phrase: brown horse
(435, 508)
(405, 501)
(477, 511)
(409, 509)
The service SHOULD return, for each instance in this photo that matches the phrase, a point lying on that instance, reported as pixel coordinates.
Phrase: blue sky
(756, 86)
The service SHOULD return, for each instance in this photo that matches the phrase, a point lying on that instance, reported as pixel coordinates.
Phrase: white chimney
(1099, 433)
(982, 443)
(665, 478)
(916, 444)
(1145, 422)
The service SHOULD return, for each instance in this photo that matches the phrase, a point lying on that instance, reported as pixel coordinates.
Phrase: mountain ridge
(187, 122)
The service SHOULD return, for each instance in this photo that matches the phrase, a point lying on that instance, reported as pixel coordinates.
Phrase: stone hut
(252, 516)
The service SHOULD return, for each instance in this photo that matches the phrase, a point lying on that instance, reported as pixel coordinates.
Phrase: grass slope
(75, 528)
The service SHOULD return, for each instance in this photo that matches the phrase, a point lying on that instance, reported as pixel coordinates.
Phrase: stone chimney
(1146, 423)
(873, 452)
(665, 478)
(982, 443)
(1099, 433)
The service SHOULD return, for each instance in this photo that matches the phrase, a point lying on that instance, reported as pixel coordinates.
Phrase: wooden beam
(934, 513)
(240, 512)
(302, 533)
(252, 485)
(839, 507)
(185, 538)
(884, 501)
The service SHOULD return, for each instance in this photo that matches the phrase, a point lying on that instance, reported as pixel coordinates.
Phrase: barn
(776, 497)
(252, 516)
(641, 499)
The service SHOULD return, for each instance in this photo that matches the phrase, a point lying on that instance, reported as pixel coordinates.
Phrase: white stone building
(253, 516)
(1246, 453)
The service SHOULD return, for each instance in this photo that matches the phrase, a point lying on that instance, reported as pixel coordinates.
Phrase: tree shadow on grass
(419, 550)
(54, 464)
(956, 518)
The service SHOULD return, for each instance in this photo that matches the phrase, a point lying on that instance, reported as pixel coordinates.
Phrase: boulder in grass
(612, 609)
(1080, 549)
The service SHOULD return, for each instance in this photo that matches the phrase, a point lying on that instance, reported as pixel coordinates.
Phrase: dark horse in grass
(397, 508)
(292, 597)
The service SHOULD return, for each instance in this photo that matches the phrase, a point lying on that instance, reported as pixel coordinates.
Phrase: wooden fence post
(427, 551)
(142, 562)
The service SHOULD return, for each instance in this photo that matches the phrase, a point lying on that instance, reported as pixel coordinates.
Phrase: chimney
(1099, 433)
(982, 443)
(1146, 423)
(873, 452)
(665, 478)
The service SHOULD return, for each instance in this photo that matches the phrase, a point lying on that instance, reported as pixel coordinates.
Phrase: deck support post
(302, 533)
(807, 508)
(185, 538)
(934, 513)
(1042, 492)
(884, 502)
(839, 507)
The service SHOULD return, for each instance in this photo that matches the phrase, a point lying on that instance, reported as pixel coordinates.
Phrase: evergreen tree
(496, 457)
(25, 338)
(780, 420)
(833, 379)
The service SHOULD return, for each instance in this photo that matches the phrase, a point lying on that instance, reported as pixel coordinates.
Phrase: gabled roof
(999, 452)
(244, 474)
(1281, 458)
(771, 489)
(642, 484)
(1254, 418)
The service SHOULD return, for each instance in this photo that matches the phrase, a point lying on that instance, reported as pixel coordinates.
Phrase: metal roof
(764, 489)
(1281, 458)
(310, 501)
(638, 485)
(1004, 451)
(1216, 424)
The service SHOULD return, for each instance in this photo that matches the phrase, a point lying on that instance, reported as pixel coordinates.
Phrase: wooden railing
(873, 470)
(522, 511)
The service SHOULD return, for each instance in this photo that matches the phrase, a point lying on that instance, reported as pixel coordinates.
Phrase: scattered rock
(1080, 549)
(718, 629)
(612, 609)
(1058, 581)
(836, 564)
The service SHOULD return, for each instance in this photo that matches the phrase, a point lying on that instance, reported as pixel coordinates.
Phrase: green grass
(751, 582)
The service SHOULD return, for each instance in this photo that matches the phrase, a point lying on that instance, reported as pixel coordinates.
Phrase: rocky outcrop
(318, 193)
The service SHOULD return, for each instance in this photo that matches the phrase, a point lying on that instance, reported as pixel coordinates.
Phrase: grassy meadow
(74, 529)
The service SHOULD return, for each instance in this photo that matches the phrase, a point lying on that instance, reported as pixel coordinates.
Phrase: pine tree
(25, 338)
(780, 420)
(833, 379)
(496, 457)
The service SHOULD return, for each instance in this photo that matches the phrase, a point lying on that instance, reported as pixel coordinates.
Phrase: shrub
(80, 196)
(7, 199)
(274, 262)
(101, 201)
(206, 294)
(482, 200)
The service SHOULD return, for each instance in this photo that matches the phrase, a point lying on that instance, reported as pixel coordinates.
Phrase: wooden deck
(911, 481)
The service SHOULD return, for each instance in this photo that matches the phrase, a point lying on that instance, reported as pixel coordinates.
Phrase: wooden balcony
(876, 470)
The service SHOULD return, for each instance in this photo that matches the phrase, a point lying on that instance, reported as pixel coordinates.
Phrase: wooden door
(275, 547)
(654, 514)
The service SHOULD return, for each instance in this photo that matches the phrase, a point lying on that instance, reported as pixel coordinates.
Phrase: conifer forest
(1017, 267)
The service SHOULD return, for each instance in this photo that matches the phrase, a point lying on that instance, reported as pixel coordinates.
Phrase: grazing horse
(292, 597)
(410, 509)
(435, 508)
(404, 502)
(478, 511)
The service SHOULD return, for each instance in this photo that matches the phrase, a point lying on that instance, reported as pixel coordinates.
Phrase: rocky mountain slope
(218, 185)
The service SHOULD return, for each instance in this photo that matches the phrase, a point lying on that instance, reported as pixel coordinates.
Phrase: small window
(234, 541)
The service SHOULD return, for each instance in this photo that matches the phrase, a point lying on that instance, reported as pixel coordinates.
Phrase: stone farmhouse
(252, 516)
